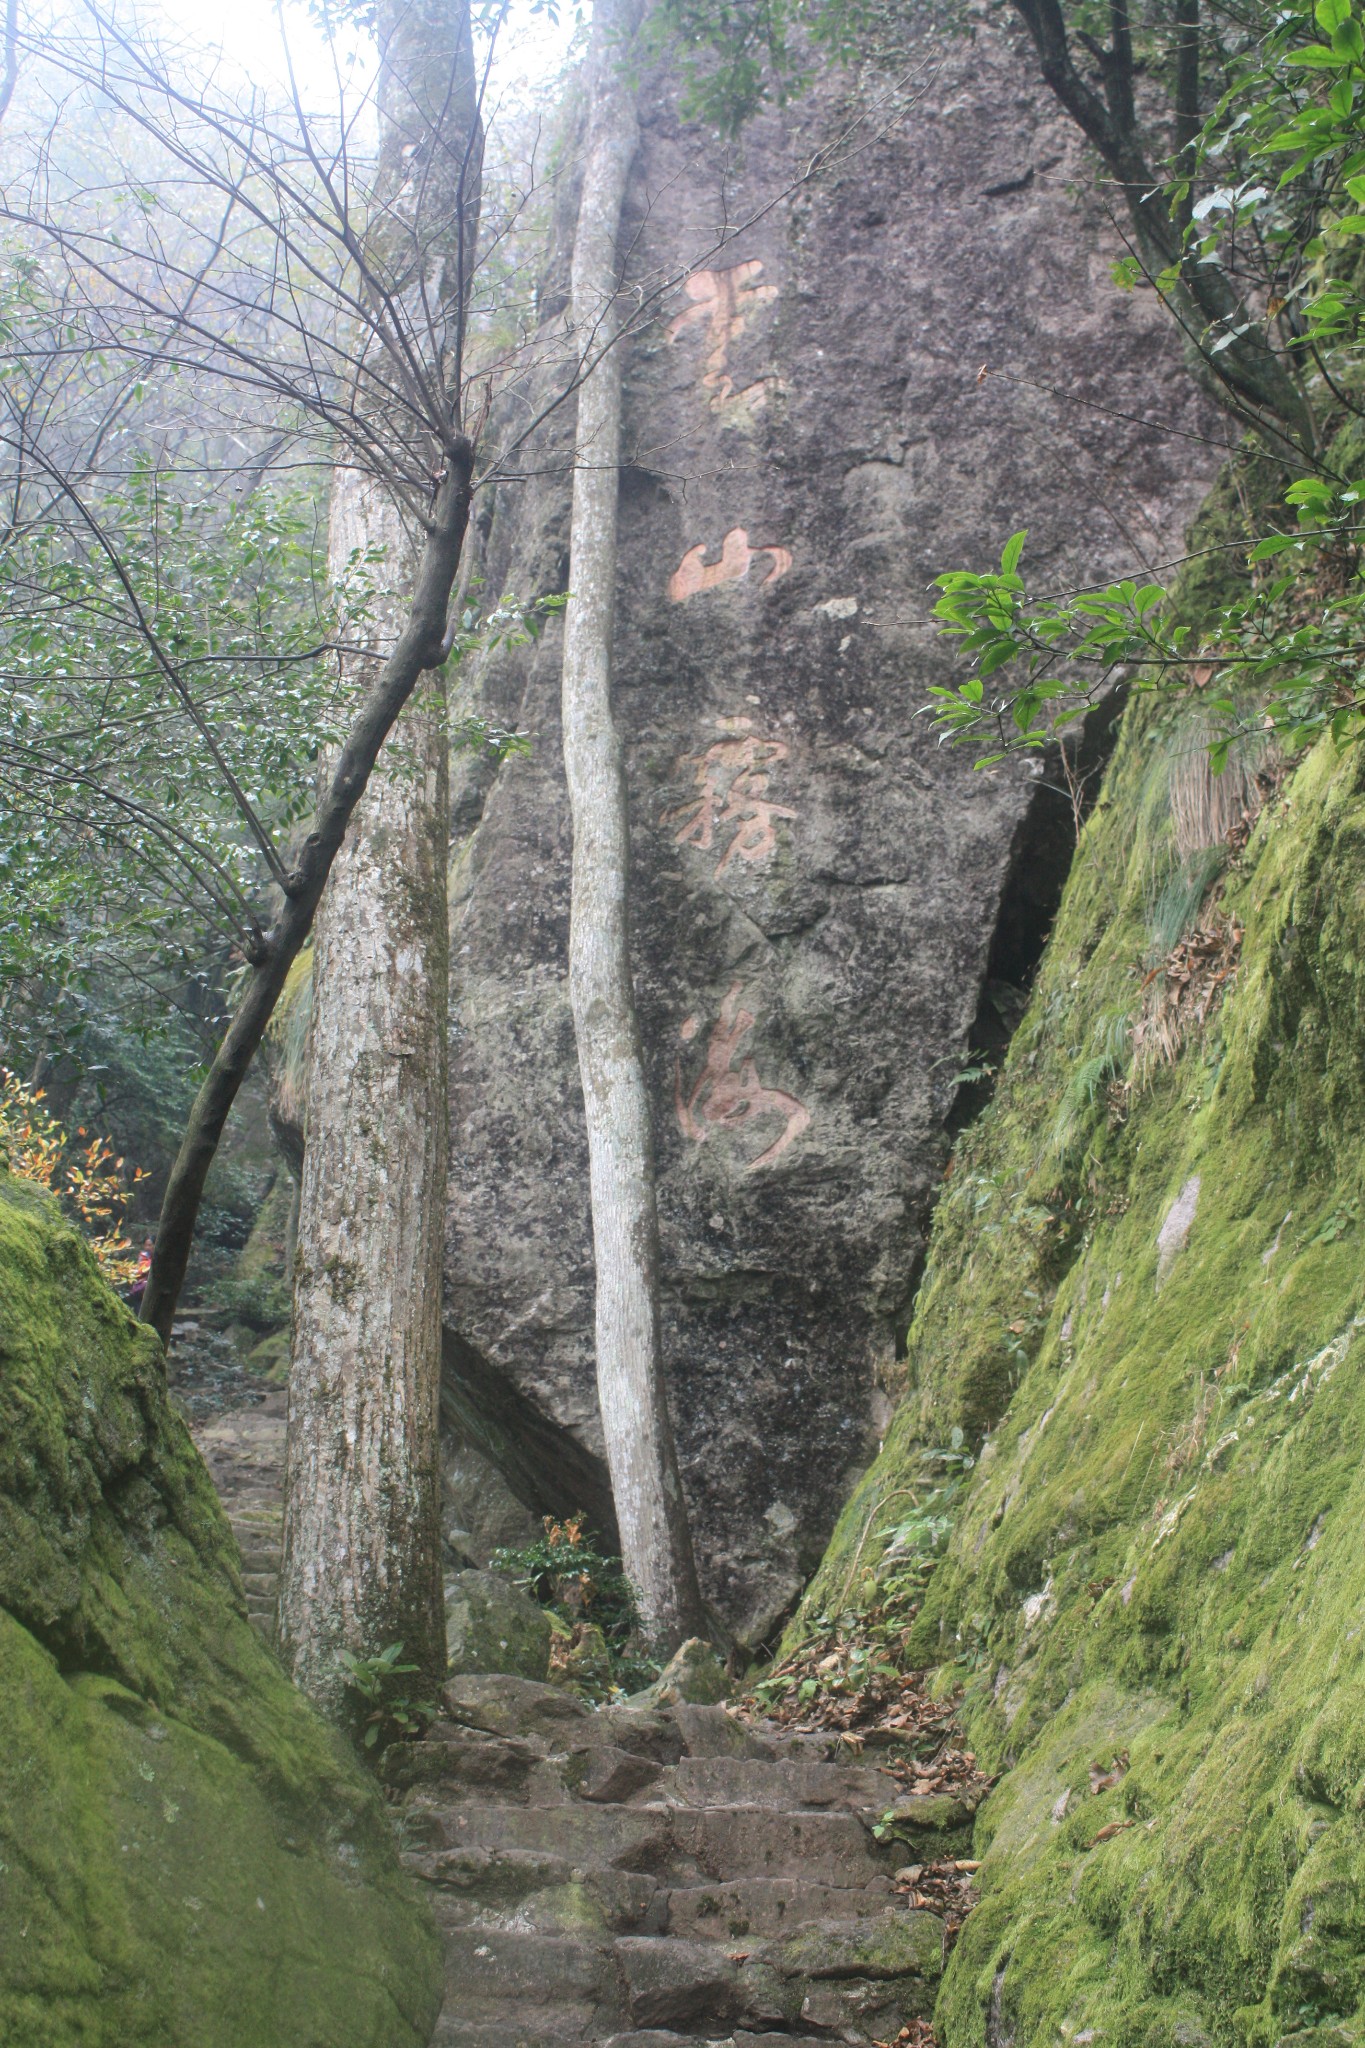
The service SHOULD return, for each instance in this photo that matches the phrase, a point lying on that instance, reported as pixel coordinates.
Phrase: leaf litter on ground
(840, 1684)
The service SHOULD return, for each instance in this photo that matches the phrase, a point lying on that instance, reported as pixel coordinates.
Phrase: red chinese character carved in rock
(729, 1094)
(725, 299)
(732, 778)
(694, 574)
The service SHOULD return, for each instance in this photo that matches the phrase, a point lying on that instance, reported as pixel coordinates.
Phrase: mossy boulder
(1135, 1393)
(584, 1661)
(491, 1625)
(693, 1676)
(188, 1856)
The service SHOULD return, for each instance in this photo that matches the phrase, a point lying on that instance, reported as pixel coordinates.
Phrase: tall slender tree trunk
(362, 1558)
(362, 1543)
(655, 1542)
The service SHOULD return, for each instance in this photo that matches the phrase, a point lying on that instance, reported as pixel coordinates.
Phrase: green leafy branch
(1054, 657)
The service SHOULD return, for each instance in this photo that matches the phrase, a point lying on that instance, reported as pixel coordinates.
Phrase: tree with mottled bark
(362, 1543)
(650, 1511)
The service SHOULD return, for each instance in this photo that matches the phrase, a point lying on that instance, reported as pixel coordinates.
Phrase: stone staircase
(244, 1451)
(660, 1879)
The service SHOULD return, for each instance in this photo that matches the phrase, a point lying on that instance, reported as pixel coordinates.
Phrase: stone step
(727, 1842)
(531, 2027)
(609, 1776)
(677, 1984)
(256, 1555)
(494, 1972)
(588, 1837)
(863, 2010)
(492, 1877)
(691, 1844)
(497, 1705)
(711, 1731)
(652, 2037)
(874, 1972)
(764, 1908)
(788, 1786)
(580, 1904)
(622, 1878)
(492, 1767)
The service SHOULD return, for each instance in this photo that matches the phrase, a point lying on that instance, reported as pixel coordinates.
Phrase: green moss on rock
(1145, 1313)
(188, 1857)
(897, 1944)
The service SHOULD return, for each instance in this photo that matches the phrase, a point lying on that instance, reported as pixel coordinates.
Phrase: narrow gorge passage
(709, 657)
(636, 1875)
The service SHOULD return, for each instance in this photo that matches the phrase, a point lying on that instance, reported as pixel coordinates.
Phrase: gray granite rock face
(491, 1625)
(822, 892)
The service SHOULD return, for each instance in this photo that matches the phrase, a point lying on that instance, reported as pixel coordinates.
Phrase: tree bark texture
(362, 1542)
(655, 1542)
(362, 1562)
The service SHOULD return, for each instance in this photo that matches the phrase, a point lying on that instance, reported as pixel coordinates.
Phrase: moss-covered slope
(1146, 1312)
(188, 1859)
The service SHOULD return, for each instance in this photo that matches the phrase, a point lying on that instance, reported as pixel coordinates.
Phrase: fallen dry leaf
(919, 2034)
(1103, 1777)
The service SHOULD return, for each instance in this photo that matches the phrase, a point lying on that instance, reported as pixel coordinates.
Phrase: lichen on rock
(187, 1854)
(491, 1625)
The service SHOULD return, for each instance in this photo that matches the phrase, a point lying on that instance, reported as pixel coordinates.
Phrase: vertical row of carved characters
(723, 301)
(731, 811)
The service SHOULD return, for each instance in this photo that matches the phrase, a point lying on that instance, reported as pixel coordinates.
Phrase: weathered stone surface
(566, 1922)
(585, 1664)
(506, 1705)
(693, 1676)
(491, 1625)
(657, 1736)
(822, 891)
(187, 1854)
(895, 1944)
(608, 1776)
(937, 1811)
(746, 1841)
(738, 1781)
(710, 1731)
(455, 1757)
(763, 1908)
(479, 1512)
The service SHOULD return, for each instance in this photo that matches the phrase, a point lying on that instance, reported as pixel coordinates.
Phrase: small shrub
(383, 1714)
(81, 1171)
(584, 1587)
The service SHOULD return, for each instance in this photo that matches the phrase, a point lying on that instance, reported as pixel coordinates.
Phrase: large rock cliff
(188, 1856)
(828, 904)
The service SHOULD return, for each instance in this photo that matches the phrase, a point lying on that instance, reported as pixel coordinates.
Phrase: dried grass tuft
(1212, 810)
